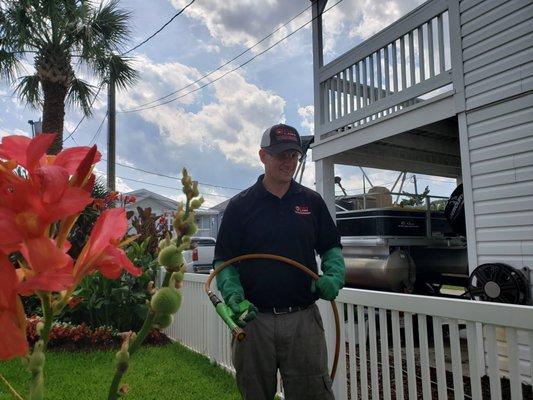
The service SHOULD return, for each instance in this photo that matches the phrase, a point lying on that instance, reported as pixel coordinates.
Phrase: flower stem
(134, 346)
(36, 358)
(48, 317)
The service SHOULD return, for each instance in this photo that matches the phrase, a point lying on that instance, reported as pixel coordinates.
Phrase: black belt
(283, 310)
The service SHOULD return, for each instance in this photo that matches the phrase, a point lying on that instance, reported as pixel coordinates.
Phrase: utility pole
(111, 139)
(416, 187)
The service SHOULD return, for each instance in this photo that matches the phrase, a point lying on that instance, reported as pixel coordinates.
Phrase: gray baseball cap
(280, 138)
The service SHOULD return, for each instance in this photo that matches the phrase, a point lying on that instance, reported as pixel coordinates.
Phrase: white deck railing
(412, 344)
(388, 72)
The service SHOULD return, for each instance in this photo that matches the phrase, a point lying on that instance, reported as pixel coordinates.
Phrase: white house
(206, 220)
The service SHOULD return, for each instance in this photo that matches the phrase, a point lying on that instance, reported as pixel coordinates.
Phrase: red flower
(30, 204)
(129, 199)
(31, 153)
(102, 252)
(49, 268)
(12, 319)
(111, 196)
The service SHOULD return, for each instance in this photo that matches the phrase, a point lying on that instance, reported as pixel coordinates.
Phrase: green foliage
(415, 200)
(119, 303)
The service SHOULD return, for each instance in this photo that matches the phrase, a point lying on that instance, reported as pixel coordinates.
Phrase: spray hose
(226, 315)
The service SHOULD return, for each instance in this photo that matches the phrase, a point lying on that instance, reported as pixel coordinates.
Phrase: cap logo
(283, 133)
(302, 210)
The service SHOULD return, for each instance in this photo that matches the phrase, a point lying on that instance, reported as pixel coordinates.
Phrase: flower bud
(39, 327)
(184, 246)
(37, 358)
(178, 276)
(192, 229)
(194, 191)
(123, 389)
(122, 359)
(170, 257)
(166, 301)
(162, 321)
(165, 242)
(197, 203)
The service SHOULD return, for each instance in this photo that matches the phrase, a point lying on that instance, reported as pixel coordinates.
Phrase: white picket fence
(411, 343)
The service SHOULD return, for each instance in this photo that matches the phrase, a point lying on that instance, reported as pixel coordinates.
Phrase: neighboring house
(160, 205)
(218, 210)
(207, 220)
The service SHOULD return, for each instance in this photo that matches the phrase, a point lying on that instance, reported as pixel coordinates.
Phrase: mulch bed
(485, 382)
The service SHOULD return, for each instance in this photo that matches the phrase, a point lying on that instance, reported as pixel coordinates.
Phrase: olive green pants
(295, 344)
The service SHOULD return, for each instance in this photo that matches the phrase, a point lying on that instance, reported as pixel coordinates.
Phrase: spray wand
(227, 316)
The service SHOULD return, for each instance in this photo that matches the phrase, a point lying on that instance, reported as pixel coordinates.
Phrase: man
(283, 325)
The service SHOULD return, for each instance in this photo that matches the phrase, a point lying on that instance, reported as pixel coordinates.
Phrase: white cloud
(244, 22)
(124, 161)
(376, 15)
(120, 185)
(232, 122)
(307, 113)
(157, 80)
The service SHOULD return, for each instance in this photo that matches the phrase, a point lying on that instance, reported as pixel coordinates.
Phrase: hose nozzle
(227, 316)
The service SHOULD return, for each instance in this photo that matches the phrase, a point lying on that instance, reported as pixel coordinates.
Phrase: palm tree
(63, 37)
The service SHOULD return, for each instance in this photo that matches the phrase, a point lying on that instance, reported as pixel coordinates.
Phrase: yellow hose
(294, 264)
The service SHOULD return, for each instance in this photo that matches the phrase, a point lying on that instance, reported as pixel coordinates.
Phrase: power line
(95, 136)
(231, 70)
(173, 177)
(82, 118)
(169, 187)
(226, 63)
(160, 29)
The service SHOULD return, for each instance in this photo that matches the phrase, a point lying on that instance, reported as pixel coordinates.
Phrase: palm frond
(81, 94)
(10, 64)
(105, 31)
(29, 89)
(120, 68)
(112, 24)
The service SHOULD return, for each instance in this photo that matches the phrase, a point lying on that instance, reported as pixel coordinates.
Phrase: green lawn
(167, 372)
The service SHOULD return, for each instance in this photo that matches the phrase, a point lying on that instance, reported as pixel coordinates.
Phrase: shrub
(120, 303)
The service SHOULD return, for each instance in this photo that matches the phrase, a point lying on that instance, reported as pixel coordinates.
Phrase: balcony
(406, 79)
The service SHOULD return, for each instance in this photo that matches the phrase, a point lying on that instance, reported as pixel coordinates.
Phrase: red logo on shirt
(302, 210)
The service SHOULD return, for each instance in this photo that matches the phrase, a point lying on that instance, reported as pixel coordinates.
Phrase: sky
(215, 131)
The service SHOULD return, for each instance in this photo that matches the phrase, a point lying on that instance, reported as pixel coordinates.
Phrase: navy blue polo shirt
(256, 221)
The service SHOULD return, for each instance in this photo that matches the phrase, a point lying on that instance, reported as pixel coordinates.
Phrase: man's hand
(326, 288)
(243, 310)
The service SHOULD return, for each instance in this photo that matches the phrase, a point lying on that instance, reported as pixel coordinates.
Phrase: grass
(166, 372)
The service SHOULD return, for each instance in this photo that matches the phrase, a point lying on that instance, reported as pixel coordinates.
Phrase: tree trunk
(54, 113)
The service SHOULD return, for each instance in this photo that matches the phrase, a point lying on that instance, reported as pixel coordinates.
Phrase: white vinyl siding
(497, 45)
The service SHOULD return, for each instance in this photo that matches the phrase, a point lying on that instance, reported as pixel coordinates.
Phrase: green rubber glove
(328, 285)
(243, 310)
(229, 285)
